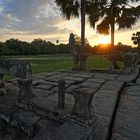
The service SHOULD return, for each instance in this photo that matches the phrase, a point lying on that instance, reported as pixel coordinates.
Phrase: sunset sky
(30, 19)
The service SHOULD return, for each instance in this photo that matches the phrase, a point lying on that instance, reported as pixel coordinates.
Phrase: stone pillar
(61, 93)
(25, 88)
(2, 86)
(83, 102)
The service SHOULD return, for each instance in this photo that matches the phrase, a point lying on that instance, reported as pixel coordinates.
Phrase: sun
(104, 40)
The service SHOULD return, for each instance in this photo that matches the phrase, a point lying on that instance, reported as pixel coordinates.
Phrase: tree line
(36, 47)
(39, 46)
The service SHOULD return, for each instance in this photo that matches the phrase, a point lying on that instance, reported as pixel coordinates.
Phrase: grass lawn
(53, 62)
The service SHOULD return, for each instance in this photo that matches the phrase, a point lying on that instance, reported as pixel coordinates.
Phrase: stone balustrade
(19, 69)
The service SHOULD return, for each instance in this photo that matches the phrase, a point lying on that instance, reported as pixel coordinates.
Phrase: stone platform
(114, 105)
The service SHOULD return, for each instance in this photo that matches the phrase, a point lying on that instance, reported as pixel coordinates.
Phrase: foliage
(36, 47)
(120, 48)
(136, 38)
(121, 12)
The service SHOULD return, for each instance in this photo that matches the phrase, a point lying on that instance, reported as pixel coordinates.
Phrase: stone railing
(15, 68)
(19, 69)
(129, 59)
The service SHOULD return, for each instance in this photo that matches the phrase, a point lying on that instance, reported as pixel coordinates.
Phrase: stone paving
(48, 122)
(127, 120)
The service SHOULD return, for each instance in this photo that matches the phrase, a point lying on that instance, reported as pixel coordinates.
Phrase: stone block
(127, 120)
(26, 121)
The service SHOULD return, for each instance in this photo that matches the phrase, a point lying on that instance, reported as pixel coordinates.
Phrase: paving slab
(59, 123)
(127, 120)
(68, 98)
(44, 86)
(42, 93)
(105, 76)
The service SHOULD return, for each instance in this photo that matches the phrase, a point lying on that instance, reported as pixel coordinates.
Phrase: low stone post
(25, 88)
(3, 90)
(83, 102)
(61, 93)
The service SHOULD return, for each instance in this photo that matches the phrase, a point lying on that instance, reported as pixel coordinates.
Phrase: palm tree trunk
(112, 32)
(114, 63)
(82, 60)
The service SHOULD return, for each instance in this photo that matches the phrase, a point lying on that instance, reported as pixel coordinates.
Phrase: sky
(30, 19)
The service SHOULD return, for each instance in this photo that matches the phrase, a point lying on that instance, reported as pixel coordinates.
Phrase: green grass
(53, 62)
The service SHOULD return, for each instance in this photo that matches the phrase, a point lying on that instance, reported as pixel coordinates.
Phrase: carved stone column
(61, 93)
(83, 102)
(25, 88)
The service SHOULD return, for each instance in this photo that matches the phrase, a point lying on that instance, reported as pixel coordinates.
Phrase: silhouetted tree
(75, 8)
(117, 12)
(136, 39)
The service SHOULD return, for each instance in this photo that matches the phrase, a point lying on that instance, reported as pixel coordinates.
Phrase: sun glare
(104, 40)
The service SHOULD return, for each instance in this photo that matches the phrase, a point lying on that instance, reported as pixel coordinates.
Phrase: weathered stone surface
(37, 82)
(44, 103)
(104, 103)
(16, 68)
(60, 123)
(96, 80)
(42, 93)
(44, 86)
(48, 130)
(83, 102)
(61, 93)
(93, 85)
(68, 98)
(54, 89)
(25, 88)
(101, 127)
(7, 107)
(76, 79)
(127, 120)
(3, 91)
(113, 86)
(129, 77)
(26, 121)
(82, 75)
(72, 131)
(105, 76)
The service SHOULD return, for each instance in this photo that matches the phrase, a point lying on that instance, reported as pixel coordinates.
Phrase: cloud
(29, 17)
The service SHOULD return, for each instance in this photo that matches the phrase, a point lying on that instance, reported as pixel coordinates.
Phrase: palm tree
(117, 12)
(74, 8)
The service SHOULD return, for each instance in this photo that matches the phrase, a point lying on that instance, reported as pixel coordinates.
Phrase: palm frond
(103, 27)
(126, 22)
(68, 8)
(93, 13)
(127, 19)
(137, 11)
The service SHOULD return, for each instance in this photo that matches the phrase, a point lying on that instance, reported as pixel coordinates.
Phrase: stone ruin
(66, 105)
(22, 70)
(79, 56)
(19, 69)
(130, 60)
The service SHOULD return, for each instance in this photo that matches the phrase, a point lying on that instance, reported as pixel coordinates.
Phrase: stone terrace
(115, 107)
